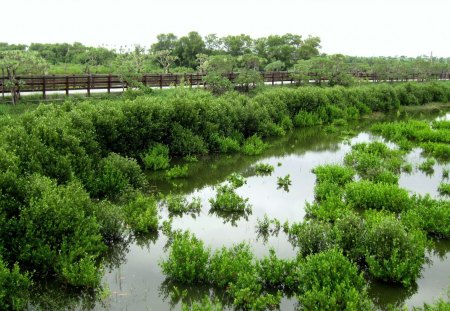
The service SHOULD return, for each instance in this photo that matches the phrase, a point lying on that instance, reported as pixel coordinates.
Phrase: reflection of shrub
(156, 158)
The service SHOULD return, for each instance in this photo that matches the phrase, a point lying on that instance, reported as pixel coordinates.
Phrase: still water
(136, 281)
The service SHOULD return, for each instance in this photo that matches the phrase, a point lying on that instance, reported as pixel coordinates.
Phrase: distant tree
(309, 48)
(213, 44)
(19, 62)
(165, 59)
(187, 48)
(275, 66)
(166, 42)
(237, 45)
(130, 66)
(216, 67)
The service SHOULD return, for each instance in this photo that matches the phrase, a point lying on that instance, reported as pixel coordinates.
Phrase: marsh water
(135, 279)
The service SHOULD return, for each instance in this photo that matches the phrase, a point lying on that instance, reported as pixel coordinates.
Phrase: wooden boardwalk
(89, 82)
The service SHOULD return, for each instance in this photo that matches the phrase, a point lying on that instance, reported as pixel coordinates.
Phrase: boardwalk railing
(66, 83)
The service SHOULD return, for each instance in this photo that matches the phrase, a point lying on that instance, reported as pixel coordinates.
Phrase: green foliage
(227, 200)
(177, 171)
(444, 189)
(116, 175)
(284, 182)
(329, 281)
(427, 166)
(375, 162)
(187, 261)
(333, 173)
(263, 169)
(253, 146)
(431, 216)
(236, 180)
(311, 237)
(328, 208)
(67, 241)
(393, 253)
(141, 214)
(279, 273)
(350, 232)
(440, 151)
(14, 288)
(156, 158)
(378, 196)
(178, 205)
(206, 304)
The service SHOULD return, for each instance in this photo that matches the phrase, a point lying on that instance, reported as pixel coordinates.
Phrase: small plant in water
(284, 182)
(427, 166)
(177, 172)
(253, 146)
(156, 158)
(444, 189)
(229, 201)
(190, 158)
(236, 180)
(178, 205)
(263, 169)
(267, 227)
(445, 173)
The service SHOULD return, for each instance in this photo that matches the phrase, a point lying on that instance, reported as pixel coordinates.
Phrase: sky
(351, 27)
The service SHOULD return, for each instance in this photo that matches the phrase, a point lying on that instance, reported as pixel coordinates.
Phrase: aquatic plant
(141, 214)
(284, 182)
(337, 174)
(236, 180)
(427, 166)
(329, 281)
(444, 189)
(178, 205)
(156, 158)
(227, 200)
(263, 169)
(177, 171)
(253, 146)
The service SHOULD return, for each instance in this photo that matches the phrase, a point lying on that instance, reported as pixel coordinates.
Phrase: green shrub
(253, 146)
(327, 209)
(427, 166)
(236, 180)
(306, 119)
(311, 237)
(329, 281)
(227, 144)
(276, 273)
(177, 171)
(110, 220)
(263, 169)
(326, 189)
(187, 261)
(206, 304)
(156, 158)
(393, 254)
(444, 189)
(67, 241)
(141, 214)
(227, 200)
(349, 231)
(184, 141)
(431, 216)
(284, 182)
(227, 263)
(116, 175)
(333, 173)
(14, 288)
(378, 196)
(178, 205)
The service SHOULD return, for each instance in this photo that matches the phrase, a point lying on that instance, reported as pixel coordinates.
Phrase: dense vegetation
(71, 184)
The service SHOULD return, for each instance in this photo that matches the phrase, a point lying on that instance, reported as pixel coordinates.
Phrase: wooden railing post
(44, 85)
(89, 85)
(109, 83)
(67, 85)
(160, 81)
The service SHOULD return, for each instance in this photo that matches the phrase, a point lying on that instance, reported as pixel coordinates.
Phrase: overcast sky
(352, 27)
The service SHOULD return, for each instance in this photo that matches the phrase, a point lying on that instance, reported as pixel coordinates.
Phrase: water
(135, 279)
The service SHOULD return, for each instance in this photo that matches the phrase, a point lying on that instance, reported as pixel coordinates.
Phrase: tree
(216, 67)
(309, 48)
(165, 59)
(237, 45)
(213, 44)
(130, 66)
(165, 42)
(16, 62)
(187, 48)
